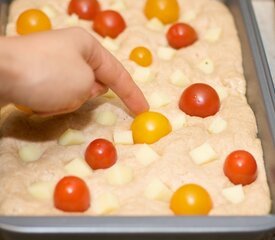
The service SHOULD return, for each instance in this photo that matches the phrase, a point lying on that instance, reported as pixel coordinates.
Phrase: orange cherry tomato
(141, 56)
(200, 100)
(24, 109)
(149, 127)
(167, 11)
(181, 35)
(191, 199)
(240, 167)
(101, 154)
(31, 21)
(71, 194)
(109, 23)
(85, 9)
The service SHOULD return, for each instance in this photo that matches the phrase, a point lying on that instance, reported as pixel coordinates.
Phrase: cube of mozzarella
(106, 118)
(177, 120)
(105, 204)
(78, 167)
(212, 34)
(143, 74)
(222, 92)
(118, 5)
(42, 190)
(218, 125)
(166, 53)
(123, 137)
(30, 153)
(179, 79)
(72, 20)
(49, 11)
(71, 137)
(189, 15)
(203, 154)
(234, 194)
(146, 155)
(159, 99)
(110, 44)
(206, 66)
(157, 190)
(155, 24)
(119, 175)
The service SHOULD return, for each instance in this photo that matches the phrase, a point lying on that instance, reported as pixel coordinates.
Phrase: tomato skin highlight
(101, 154)
(191, 199)
(167, 11)
(141, 56)
(84, 9)
(200, 100)
(32, 21)
(71, 194)
(109, 23)
(181, 35)
(240, 167)
(149, 127)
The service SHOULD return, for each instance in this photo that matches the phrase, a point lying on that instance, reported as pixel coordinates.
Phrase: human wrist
(8, 70)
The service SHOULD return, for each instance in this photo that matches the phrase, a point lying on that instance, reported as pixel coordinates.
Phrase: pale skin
(56, 72)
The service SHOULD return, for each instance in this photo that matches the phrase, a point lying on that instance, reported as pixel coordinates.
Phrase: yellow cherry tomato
(31, 21)
(167, 11)
(191, 199)
(141, 56)
(149, 127)
(24, 109)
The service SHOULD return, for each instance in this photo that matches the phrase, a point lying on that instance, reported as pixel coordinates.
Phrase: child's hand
(56, 72)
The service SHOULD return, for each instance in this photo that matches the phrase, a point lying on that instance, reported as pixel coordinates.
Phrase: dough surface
(175, 167)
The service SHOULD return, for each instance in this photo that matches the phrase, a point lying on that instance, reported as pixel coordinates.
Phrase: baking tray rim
(160, 224)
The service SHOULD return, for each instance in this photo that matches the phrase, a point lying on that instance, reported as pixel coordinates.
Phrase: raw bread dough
(175, 166)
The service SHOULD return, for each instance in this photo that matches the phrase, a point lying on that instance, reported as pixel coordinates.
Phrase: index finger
(110, 72)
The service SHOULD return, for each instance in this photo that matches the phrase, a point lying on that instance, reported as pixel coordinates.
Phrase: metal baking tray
(261, 97)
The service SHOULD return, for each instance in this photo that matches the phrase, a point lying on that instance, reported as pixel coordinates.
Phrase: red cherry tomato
(85, 9)
(240, 167)
(200, 100)
(109, 23)
(100, 154)
(71, 194)
(181, 35)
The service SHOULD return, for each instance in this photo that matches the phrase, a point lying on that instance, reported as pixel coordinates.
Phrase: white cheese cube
(71, 137)
(106, 118)
(146, 155)
(49, 11)
(212, 34)
(179, 79)
(143, 74)
(177, 120)
(234, 194)
(42, 190)
(218, 125)
(166, 53)
(157, 190)
(118, 5)
(72, 20)
(188, 15)
(123, 137)
(110, 44)
(105, 204)
(119, 175)
(78, 167)
(222, 92)
(158, 99)
(206, 66)
(30, 153)
(155, 24)
(203, 154)
(110, 94)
